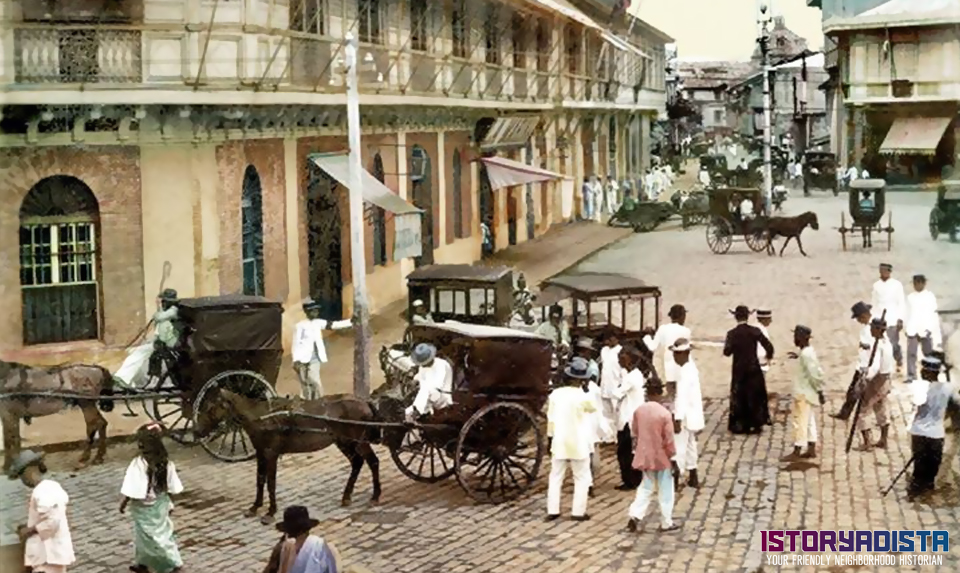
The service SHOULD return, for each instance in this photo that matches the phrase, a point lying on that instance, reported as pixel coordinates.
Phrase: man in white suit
(309, 351)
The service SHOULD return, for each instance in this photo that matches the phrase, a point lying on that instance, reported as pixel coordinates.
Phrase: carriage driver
(166, 336)
(556, 328)
(435, 380)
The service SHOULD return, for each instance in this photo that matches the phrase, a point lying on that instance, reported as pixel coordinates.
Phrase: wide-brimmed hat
(585, 343)
(742, 312)
(680, 345)
(859, 308)
(310, 304)
(168, 294)
(578, 369)
(297, 520)
(24, 460)
(423, 353)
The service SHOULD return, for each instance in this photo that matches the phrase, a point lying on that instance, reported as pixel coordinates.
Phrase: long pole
(361, 314)
(767, 130)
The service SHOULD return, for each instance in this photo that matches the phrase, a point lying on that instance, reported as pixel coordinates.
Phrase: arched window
(379, 218)
(457, 197)
(59, 224)
(251, 207)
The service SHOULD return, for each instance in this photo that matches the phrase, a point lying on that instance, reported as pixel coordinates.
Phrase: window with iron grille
(251, 207)
(519, 41)
(491, 35)
(543, 46)
(379, 218)
(308, 16)
(573, 50)
(420, 25)
(370, 13)
(457, 196)
(59, 220)
(458, 21)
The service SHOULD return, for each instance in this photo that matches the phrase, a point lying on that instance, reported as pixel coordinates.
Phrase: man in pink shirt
(653, 429)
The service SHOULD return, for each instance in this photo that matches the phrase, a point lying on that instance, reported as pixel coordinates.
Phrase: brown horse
(274, 436)
(21, 390)
(791, 228)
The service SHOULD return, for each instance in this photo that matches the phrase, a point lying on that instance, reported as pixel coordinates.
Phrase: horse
(791, 228)
(287, 433)
(21, 389)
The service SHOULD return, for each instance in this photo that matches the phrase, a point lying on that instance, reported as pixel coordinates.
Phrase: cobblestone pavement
(421, 528)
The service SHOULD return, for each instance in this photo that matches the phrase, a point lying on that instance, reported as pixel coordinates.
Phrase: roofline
(660, 34)
(835, 25)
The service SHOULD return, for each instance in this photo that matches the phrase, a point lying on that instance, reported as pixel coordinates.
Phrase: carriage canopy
(477, 294)
(232, 323)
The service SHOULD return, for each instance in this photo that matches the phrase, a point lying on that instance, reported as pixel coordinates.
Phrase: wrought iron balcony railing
(77, 54)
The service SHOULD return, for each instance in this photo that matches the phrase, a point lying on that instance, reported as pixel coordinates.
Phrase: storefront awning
(510, 132)
(407, 217)
(914, 135)
(504, 172)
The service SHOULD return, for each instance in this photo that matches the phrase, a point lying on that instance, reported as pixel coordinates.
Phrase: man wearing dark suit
(749, 410)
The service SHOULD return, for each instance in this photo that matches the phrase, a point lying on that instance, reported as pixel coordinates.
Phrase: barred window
(251, 207)
(461, 33)
(370, 13)
(308, 16)
(420, 25)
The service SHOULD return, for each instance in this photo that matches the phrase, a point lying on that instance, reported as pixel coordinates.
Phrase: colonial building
(900, 86)
(200, 145)
(704, 86)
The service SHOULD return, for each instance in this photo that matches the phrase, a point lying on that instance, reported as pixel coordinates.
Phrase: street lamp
(764, 41)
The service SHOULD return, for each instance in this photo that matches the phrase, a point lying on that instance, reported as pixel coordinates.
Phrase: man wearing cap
(309, 351)
(862, 314)
(921, 323)
(888, 296)
(420, 314)
(687, 410)
(749, 410)
(299, 551)
(434, 379)
(569, 421)
(875, 384)
(807, 394)
(927, 431)
(145, 360)
(556, 328)
(48, 546)
(665, 337)
(764, 319)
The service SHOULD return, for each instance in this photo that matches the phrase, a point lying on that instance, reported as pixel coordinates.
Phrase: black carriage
(727, 221)
(474, 294)
(228, 342)
(945, 215)
(716, 165)
(820, 172)
(867, 204)
(490, 437)
(693, 207)
(642, 216)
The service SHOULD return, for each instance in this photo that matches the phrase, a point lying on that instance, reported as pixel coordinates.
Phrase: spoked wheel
(499, 453)
(229, 441)
(175, 415)
(935, 218)
(756, 239)
(719, 235)
(420, 459)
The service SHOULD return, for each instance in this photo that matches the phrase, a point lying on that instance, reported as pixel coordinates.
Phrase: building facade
(705, 86)
(199, 145)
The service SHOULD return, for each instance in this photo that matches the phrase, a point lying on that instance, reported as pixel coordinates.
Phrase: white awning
(504, 172)
(510, 132)
(623, 45)
(914, 135)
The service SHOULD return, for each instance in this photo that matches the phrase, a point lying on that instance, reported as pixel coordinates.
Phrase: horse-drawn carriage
(642, 216)
(867, 205)
(693, 206)
(474, 294)
(945, 215)
(820, 172)
(728, 220)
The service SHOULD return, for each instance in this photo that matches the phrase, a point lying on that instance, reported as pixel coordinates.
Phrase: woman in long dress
(150, 481)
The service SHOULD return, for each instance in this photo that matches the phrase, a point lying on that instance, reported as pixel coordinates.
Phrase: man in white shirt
(629, 395)
(875, 384)
(921, 323)
(764, 319)
(420, 313)
(309, 352)
(850, 176)
(888, 296)
(664, 338)
(434, 380)
(746, 209)
(704, 177)
(47, 544)
(687, 410)
(612, 192)
(569, 423)
(861, 312)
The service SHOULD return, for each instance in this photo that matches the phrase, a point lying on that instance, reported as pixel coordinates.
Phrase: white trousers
(661, 483)
(687, 453)
(309, 375)
(594, 464)
(582, 480)
(804, 423)
(610, 414)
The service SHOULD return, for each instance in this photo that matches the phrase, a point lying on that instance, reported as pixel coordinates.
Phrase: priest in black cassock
(749, 410)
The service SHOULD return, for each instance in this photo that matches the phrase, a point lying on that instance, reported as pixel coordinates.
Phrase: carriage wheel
(645, 225)
(719, 235)
(175, 415)
(420, 459)
(229, 441)
(935, 223)
(756, 239)
(499, 453)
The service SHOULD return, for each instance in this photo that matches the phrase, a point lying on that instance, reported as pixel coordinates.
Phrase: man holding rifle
(875, 384)
(861, 312)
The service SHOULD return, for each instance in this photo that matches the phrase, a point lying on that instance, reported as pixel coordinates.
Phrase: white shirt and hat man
(763, 320)
(687, 410)
(434, 381)
(888, 296)
(665, 337)
(420, 314)
(309, 351)
(921, 323)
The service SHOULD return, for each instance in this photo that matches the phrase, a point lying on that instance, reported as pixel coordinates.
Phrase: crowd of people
(603, 198)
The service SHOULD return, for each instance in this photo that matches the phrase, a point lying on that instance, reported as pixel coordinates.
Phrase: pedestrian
(434, 382)
(556, 329)
(687, 411)
(569, 423)
(927, 432)
(807, 394)
(875, 385)
(764, 319)
(150, 480)
(888, 296)
(850, 176)
(664, 337)
(611, 374)
(586, 192)
(629, 396)
(596, 190)
(921, 323)
(612, 192)
(299, 551)
(862, 314)
(653, 428)
(704, 177)
(309, 351)
(601, 432)
(749, 410)
(47, 545)
(585, 349)
(420, 313)
(648, 185)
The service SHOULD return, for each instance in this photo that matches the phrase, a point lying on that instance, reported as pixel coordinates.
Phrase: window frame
(54, 224)
(299, 23)
(421, 26)
(370, 21)
(459, 29)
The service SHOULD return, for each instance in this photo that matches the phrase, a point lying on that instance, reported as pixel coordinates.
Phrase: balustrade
(77, 54)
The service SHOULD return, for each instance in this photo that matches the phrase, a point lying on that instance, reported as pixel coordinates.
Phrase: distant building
(705, 85)
(784, 44)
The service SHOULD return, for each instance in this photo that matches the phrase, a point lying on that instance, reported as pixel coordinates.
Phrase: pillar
(293, 216)
(407, 265)
(644, 142)
(440, 209)
(858, 135)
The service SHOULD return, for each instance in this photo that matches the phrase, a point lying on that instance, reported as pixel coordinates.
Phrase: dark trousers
(927, 455)
(628, 476)
(851, 399)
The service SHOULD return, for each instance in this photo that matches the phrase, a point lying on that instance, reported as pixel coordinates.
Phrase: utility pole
(767, 129)
(358, 263)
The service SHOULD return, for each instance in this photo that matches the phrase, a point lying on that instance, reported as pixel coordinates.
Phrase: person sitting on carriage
(522, 297)
(435, 381)
(154, 354)
(556, 328)
(746, 209)
(420, 313)
(866, 203)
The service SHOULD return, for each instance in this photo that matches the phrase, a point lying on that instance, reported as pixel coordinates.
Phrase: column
(205, 182)
(521, 198)
(406, 265)
(644, 142)
(293, 216)
(440, 209)
(858, 134)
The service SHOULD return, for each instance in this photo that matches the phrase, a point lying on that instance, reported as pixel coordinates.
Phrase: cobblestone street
(420, 528)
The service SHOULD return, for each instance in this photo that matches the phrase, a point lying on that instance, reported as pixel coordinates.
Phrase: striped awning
(503, 172)
(914, 135)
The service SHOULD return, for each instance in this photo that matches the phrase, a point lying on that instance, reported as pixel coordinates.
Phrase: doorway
(487, 205)
(323, 243)
(512, 212)
(420, 178)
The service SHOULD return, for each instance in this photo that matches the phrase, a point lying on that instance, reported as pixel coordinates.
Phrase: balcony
(77, 55)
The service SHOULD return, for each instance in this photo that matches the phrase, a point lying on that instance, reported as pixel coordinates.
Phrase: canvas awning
(510, 132)
(914, 135)
(504, 172)
(407, 217)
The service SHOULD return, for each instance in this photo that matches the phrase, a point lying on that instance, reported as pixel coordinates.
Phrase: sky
(724, 29)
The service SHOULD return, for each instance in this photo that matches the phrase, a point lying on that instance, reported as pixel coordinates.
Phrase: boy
(309, 352)
(688, 411)
(807, 393)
